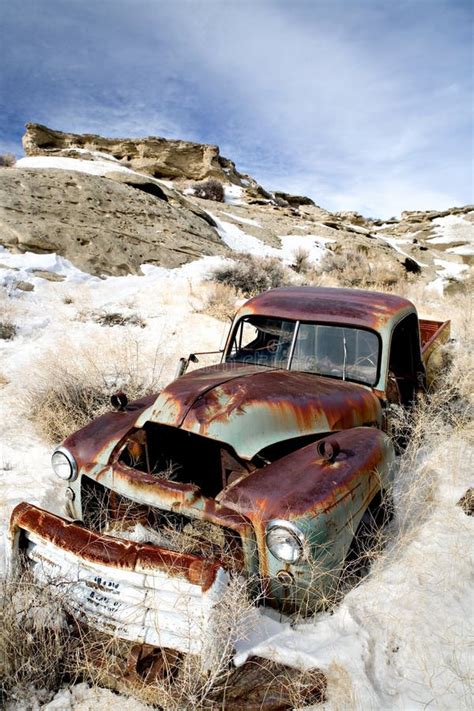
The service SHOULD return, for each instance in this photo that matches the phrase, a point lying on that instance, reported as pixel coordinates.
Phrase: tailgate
(136, 591)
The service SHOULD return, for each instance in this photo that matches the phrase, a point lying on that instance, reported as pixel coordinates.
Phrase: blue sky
(361, 104)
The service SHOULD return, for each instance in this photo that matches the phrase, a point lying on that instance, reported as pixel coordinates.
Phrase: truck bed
(433, 334)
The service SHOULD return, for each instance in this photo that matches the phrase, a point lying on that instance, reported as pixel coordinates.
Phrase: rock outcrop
(115, 219)
(101, 225)
(159, 157)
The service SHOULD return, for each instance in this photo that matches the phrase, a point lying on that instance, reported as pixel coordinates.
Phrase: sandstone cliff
(109, 219)
(159, 157)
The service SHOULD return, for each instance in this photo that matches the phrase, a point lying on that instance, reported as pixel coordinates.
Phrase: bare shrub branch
(210, 190)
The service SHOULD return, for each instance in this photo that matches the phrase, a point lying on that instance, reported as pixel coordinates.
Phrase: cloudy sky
(361, 104)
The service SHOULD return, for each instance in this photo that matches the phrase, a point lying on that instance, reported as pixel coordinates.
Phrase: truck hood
(253, 407)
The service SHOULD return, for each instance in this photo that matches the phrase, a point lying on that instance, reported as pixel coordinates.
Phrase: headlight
(64, 464)
(285, 541)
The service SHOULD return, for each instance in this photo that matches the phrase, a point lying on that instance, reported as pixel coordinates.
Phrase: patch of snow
(449, 269)
(357, 228)
(394, 243)
(437, 286)
(92, 167)
(243, 220)
(96, 154)
(233, 194)
(239, 241)
(452, 228)
(312, 244)
(465, 250)
(20, 267)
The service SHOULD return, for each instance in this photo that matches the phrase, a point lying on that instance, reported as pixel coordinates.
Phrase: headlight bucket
(64, 465)
(284, 540)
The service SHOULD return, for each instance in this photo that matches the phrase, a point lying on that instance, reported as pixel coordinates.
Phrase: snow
(395, 244)
(314, 245)
(96, 154)
(239, 241)
(465, 250)
(93, 167)
(450, 270)
(80, 697)
(20, 267)
(233, 194)
(101, 166)
(452, 228)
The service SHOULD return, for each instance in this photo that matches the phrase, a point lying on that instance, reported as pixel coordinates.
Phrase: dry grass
(112, 318)
(7, 330)
(220, 301)
(352, 267)
(301, 261)
(37, 646)
(72, 386)
(7, 160)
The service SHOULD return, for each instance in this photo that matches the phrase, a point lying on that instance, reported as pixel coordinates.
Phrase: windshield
(339, 351)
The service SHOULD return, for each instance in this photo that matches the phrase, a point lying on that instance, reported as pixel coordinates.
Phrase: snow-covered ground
(398, 641)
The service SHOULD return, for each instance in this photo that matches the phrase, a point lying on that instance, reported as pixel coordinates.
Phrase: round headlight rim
(72, 463)
(293, 530)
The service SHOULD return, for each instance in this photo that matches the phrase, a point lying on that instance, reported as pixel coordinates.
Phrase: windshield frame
(298, 323)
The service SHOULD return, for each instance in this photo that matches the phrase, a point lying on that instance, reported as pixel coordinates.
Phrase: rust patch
(101, 435)
(367, 309)
(105, 550)
(305, 481)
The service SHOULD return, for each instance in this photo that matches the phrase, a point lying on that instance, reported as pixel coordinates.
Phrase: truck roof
(367, 309)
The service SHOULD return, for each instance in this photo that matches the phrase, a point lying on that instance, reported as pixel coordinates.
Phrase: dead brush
(7, 330)
(301, 261)
(352, 268)
(37, 644)
(113, 318)
(220, 301)
(72, 387)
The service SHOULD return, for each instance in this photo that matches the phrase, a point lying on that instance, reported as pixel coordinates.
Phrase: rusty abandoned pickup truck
(264, 465)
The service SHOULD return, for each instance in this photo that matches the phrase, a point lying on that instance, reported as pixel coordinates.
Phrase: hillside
(99, 203)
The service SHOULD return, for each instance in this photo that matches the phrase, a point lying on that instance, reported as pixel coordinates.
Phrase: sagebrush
(210, 190)
(7, 160)
(251, 275)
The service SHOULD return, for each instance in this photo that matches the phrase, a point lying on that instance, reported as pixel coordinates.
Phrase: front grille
(105, 511)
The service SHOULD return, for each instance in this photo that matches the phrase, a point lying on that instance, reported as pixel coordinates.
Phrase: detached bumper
(137, 592)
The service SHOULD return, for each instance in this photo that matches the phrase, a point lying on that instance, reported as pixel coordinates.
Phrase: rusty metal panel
(303, 482)
(136, 591)
(95, 442)
(324, 499)
(258, 407)
(367, 309)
